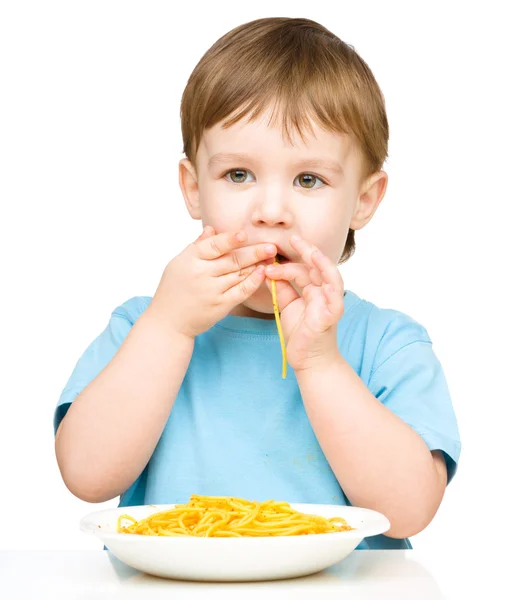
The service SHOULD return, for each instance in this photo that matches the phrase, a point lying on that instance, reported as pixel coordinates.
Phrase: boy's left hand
(309, 322)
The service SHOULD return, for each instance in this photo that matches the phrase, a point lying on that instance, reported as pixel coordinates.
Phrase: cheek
(220, 224)
(216, 214)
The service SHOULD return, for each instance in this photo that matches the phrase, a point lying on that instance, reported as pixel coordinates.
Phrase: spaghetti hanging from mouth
(278, 321)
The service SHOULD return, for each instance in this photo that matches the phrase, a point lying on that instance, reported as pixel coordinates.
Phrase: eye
(239, 173)
(307, 177)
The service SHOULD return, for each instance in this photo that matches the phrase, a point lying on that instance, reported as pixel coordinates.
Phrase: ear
(372, 193)
(189, 187)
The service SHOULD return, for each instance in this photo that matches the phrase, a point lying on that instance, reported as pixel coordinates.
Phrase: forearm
(380, 462)
(113, 426)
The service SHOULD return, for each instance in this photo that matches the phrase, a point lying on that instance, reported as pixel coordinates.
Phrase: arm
(380, 462)
(113, 426)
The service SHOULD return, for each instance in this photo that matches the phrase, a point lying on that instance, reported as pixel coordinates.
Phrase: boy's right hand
(212, 275)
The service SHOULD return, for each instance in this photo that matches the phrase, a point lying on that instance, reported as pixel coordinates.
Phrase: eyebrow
(321, 163)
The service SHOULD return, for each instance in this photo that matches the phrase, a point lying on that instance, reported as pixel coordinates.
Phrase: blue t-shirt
(238, 429)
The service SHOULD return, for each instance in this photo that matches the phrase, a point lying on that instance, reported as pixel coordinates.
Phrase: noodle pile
(278, 321)
(224, 516)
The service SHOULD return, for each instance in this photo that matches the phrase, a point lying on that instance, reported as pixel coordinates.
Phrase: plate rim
(361, 533)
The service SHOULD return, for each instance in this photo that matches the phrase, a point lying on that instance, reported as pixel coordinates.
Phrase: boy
(183, 392)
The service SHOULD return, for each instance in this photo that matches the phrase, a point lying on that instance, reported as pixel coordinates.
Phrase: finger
(305, 281)
(228, 280)
(285, 292)
(324, 271)
(328, 271)
(334, 300)
(296, 272)
(292, 281)
(243, 290)
(214, 246)
(304, 248)
(239, 259)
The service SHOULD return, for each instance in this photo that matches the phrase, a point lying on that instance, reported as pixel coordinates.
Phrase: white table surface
(396, 574)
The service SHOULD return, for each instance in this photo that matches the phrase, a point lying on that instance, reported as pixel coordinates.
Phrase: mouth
(282, 259)
(281, 256)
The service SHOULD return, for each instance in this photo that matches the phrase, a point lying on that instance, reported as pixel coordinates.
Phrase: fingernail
(270, 269)
(240, 236)
(295, 238)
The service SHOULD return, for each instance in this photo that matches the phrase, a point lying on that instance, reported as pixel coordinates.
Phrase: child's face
(272, 196)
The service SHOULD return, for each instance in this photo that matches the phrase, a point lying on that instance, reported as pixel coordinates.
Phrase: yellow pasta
(278, 321)
(225, 516)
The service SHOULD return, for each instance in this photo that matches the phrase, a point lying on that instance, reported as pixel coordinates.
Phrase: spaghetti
(224, 516)
(278, 321)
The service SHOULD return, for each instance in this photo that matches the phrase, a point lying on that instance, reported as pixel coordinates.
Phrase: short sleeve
(409, 379)
(99, 353)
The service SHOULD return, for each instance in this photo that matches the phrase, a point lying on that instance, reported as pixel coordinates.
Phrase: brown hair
(301, 66)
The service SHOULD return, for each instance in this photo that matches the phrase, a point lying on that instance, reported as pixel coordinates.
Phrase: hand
(212, 275)
(309, 322)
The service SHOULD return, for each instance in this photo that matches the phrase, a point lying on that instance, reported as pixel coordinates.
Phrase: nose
(272, 211)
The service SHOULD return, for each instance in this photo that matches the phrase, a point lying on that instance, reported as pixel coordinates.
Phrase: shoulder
(384, 322)
(131, 309)
(385, 330)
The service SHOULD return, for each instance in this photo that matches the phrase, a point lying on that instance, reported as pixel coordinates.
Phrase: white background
(92, 212)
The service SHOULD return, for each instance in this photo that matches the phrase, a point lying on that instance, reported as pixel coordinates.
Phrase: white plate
(234, 559)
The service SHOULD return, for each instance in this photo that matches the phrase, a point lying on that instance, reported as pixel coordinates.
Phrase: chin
(260, 302)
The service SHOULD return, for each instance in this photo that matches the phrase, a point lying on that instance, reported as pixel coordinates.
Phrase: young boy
(285, 133)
